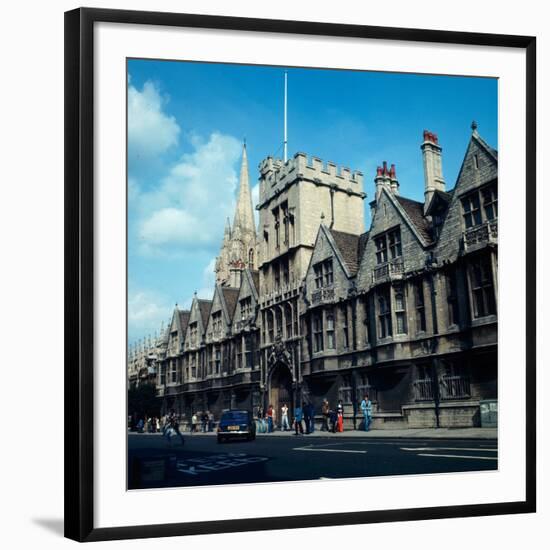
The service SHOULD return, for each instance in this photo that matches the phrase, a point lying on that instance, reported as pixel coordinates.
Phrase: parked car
(236, 424)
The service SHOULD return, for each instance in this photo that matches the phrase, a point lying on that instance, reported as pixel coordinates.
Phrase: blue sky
(186, 123)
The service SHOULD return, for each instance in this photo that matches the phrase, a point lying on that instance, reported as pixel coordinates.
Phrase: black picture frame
(79, 272)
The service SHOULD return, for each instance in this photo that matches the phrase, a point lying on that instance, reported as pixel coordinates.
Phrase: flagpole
(285, 143)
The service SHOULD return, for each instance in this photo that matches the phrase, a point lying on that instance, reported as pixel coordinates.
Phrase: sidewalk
(410, 433)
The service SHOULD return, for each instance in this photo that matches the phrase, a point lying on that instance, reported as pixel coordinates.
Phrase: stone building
(144, 358)
(313, 306)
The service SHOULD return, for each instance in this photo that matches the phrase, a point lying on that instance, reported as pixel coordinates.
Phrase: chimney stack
(433, 171)
(386, 178)
(394, 184)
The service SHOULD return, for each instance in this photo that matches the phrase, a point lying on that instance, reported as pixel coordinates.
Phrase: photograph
(312, 274)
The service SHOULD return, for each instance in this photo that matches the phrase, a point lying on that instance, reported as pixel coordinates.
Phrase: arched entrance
(280, 391)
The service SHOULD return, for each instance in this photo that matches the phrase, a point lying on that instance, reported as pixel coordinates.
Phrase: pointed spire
(244, 213)
(227, 231)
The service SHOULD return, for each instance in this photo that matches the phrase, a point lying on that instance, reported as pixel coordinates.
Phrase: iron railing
(454, 387)
(424, 389)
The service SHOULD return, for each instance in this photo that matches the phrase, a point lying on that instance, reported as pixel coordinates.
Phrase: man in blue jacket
(298, 415)
(366, 409)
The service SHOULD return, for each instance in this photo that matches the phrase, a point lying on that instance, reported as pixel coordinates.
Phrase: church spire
(227, 231)
(244, 213)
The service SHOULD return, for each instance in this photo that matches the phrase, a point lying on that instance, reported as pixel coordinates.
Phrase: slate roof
(256, 279)
(184, 319)
(486, 146)
(362, 245)
(204, 307)
(415, 212)
(230, 295)
(351, 248)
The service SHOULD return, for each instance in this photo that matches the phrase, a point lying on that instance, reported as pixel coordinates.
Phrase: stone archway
(281, 391)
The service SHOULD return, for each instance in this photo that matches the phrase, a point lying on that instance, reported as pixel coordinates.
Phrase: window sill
(487, 319)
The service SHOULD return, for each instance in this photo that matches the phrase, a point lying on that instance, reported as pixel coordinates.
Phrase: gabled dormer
(398, 238)
(333, 264)
(247, 300)
(471, 221)
(198, 320)
(221, 313)
(176, 331)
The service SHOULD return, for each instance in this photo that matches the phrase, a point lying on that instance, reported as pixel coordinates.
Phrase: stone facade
(406, 311)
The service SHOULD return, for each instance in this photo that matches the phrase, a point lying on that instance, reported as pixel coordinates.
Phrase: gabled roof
(204, 307)
(415, 212)
(351, 248)
(230, 297)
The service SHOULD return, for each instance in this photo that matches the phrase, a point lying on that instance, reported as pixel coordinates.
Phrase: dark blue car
(236, 424)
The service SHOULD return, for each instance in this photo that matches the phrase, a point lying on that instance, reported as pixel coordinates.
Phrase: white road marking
(475, 449)
(460, 456)
(319, 450)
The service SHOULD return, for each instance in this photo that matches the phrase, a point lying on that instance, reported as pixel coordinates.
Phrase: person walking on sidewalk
(210, 421)
(325, 409)
(366, 409)
(194, 420)
(270, 415)
(340, 413)
(311, 417)
(298, 419)
(307, 419)
(284, 418)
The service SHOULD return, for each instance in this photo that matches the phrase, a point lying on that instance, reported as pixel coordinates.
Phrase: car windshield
(235, 416)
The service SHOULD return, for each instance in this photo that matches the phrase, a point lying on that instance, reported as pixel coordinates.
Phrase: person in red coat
(340, 413)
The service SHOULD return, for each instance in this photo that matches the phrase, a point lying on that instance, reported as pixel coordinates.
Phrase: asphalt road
(154, 462)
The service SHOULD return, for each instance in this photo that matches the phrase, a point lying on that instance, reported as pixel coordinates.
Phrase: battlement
(276, 174)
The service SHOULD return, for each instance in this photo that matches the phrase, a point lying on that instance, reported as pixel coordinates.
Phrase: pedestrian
(260, 412)
(194, 421)
(270, 419)
(307, 420)
(139, 426)
(325, 410)
(311, 417)
(298, 420)
(174, 428)
(366, 409)
(333, 416)
(210, 422)
(157, 425)
(340, 413)
(284, 418)
(204, 421)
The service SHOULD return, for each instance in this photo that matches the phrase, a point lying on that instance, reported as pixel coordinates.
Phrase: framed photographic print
(300, 268)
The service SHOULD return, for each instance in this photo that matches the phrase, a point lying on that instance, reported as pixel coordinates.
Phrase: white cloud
(146, 312)
(191, 203)
(150, 130)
